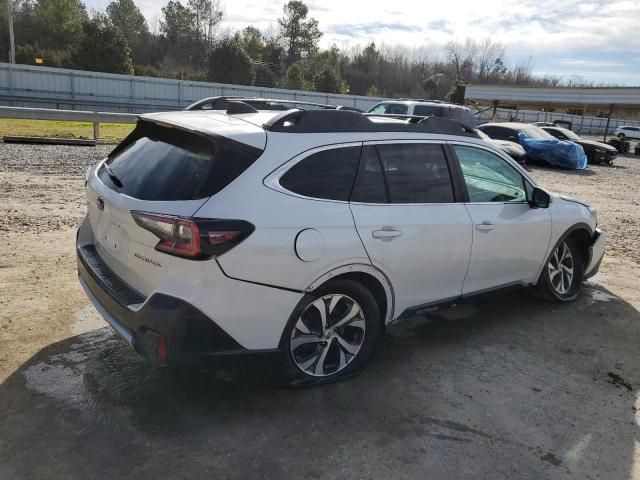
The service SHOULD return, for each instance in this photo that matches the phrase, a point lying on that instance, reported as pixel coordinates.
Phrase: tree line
(191, 43)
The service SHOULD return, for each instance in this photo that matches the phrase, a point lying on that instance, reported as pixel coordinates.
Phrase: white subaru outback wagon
(238, 229)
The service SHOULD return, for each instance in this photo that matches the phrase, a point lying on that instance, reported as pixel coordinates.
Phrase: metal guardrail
(45, 87)
(68, 116)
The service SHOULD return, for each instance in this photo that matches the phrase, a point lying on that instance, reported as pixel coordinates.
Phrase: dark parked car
(597, 152)
(539, 145)
(513, 149)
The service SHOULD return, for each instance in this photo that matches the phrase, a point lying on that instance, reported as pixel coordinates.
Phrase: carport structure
(485, 97)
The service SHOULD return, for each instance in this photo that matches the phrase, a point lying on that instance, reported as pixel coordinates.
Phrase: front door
(510, 239)
(413, 230)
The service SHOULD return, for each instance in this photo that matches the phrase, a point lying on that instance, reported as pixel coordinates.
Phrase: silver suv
(425, 108)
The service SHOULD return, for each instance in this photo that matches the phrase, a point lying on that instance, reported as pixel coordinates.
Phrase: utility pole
(12, 53)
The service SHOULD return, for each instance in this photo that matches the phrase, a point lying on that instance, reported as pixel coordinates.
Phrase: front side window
(403, 173)
(490, 178)
(328, 174)
(390, 108)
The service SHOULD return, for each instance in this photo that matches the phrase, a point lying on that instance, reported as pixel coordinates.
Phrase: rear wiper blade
(113, 176)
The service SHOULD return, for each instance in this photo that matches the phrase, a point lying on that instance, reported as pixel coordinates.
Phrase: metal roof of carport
(506, 95)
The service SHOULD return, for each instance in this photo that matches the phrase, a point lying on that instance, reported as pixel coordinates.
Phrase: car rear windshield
(163, 164)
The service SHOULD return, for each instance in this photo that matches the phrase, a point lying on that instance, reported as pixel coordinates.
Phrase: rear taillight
(193, 238)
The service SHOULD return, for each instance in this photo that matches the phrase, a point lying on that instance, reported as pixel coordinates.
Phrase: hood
(572, 199)
(600, 145)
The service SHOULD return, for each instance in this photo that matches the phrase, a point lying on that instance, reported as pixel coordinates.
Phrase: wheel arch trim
(572, 229)
(359, 268)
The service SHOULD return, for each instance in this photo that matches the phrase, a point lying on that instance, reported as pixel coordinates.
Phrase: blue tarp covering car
(538, 144)
(559, 153)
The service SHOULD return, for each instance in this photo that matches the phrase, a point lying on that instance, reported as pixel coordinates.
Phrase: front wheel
(621, 136)
(331, 334)
(561, 279)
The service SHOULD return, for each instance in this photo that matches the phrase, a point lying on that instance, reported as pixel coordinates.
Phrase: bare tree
(490, 61)
(463, 57)
(207, 15)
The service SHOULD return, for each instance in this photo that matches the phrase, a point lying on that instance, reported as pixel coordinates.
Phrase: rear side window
(404, 173)
(328, 174)
(428, 110)
(167, 164)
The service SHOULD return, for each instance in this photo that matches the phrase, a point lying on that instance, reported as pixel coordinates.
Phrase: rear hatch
(161, 168)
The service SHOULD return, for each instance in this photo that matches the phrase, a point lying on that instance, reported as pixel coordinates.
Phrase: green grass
(109, 132)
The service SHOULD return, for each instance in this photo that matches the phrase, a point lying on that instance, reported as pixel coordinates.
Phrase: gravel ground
(613, 191)
(506, 387)
(41, 186)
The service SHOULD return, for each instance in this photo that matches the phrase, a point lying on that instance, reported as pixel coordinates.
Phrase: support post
(96, 131)
(495, 108)
(12, 43)
(606, 129)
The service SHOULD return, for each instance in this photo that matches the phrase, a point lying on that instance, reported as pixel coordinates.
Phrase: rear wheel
(331, 334)
(621, 136)
(561, 279)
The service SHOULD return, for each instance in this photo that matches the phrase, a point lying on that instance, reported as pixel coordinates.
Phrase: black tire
(549, 283)
(621, 136)
(292, 374)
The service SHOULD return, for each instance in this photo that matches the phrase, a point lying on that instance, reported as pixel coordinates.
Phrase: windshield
(571, 135)
(390, 108)
(483, 135)
(536, 133)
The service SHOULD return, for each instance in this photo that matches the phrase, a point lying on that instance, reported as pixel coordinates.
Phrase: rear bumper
(191, 338)
(596, 253)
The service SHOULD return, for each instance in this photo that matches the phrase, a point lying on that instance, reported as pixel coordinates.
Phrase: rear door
(156, 170)
(405, 210)
(510, 239)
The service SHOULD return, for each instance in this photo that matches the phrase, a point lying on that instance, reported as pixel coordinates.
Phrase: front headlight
(594, 213)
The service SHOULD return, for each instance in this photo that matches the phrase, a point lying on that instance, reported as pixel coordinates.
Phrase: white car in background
(228, 232)
(632, 133)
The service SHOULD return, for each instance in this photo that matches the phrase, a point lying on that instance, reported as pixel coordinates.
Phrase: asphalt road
(502, 388)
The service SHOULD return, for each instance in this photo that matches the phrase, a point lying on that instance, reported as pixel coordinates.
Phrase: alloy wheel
(561, 269)
(328, 335)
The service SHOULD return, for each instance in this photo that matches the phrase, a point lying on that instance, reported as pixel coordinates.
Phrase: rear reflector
(193, 238)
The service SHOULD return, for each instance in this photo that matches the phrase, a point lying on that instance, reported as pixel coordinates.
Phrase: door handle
(386, 233)
(485, 227)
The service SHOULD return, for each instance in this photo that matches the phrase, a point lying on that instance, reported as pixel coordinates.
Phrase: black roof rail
(334, 121)
(220, 103)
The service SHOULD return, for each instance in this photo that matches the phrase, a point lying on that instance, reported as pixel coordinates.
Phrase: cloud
(440, 25)
(372, 28)
(563, 36)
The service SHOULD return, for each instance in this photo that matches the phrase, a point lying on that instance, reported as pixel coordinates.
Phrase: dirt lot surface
(505, 387)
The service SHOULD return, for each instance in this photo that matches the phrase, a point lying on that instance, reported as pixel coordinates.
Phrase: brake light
(193, 238)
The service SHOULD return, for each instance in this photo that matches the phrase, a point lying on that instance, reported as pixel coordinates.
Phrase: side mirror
(513, 139)
(539, 198)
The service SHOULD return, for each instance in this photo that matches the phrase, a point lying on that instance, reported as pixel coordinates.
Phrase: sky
(596, 40)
